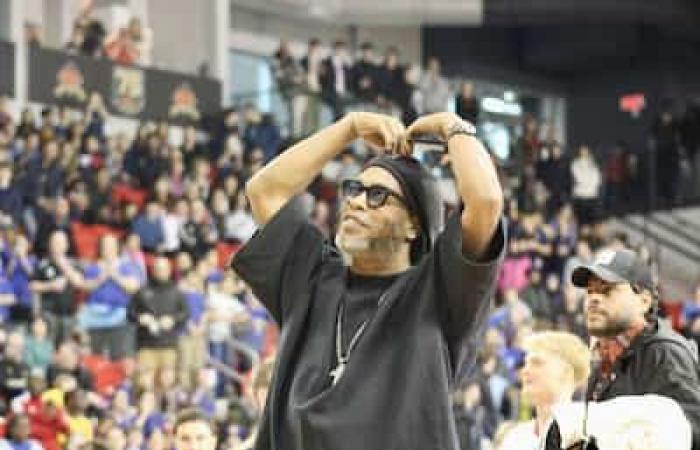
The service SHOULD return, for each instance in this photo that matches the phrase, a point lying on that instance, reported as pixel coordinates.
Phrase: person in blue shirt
(111, 282)
(192, 344)
(20, 271)
(149, 227)
(7, 296)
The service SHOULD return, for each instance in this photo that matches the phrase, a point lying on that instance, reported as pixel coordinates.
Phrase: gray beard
(351, 247)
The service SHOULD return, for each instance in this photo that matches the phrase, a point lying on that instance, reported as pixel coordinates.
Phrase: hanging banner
(61, 78)
(7, 69)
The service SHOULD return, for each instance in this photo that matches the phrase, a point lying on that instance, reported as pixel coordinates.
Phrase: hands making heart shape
(386, 134)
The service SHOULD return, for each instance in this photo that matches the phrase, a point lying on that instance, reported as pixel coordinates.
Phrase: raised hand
(384, 134)
(437, 123)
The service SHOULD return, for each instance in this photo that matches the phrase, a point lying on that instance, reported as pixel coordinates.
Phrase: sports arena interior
(129, 128)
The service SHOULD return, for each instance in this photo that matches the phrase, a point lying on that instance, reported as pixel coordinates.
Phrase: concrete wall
(187, 33)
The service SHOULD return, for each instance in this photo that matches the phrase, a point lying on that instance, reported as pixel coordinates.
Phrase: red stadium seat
(123, 193)
(87, 238)
(107, 375)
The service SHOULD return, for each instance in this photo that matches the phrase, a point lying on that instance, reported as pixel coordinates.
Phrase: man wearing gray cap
(634, 352)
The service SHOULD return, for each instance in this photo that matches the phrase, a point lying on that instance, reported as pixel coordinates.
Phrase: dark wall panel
(7, 69)
(56, 77)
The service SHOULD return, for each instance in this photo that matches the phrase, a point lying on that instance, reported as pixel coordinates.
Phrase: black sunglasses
(377, 195)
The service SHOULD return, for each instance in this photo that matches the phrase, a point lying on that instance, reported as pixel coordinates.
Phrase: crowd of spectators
(558, 202)
(338, 80)
(116, 304)
(95, 226)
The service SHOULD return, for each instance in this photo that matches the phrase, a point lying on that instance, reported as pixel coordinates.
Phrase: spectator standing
(289, 77)
(365, 75)
(336, 78)
(434, 88)
(390, 78)
(111, 282)
(467, 104)
(159, 310)
(410, 100)
(56, 294)
(223, 312)
(312, 64)
(554, 172)
(587, 180)
(192, 346)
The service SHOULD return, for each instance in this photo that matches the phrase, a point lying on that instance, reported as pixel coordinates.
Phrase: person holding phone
(374, 331)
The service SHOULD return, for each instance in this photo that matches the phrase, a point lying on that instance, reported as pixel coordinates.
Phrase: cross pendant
(337, 372)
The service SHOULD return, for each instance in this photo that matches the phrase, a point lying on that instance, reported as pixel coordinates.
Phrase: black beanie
(423, 199)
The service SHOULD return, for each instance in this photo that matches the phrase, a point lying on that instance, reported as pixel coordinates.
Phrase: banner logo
(128, 90)
(69, 84)
(184, 103)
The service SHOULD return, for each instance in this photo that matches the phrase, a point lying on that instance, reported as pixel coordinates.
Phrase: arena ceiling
(477, 12)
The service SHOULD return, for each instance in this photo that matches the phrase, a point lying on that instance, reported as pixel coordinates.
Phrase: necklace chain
(340, 357)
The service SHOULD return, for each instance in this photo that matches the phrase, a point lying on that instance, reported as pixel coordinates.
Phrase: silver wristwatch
(460, 127)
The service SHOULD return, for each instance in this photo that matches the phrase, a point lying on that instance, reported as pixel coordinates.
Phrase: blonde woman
(556, 365)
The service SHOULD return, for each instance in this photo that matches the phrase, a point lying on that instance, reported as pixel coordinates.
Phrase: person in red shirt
(46, 419)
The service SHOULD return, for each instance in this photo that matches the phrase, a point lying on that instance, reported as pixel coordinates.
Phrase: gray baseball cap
(620, 266)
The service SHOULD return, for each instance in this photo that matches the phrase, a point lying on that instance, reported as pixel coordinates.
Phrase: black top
(361, 300)
(61, 303)
(395, 391)
(659, 361)
(14, 378)
(158, 299)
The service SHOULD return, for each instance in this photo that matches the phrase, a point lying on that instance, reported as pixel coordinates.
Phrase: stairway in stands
(674, 239)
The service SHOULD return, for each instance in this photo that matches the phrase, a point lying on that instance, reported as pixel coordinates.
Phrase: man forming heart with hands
(376, 329)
